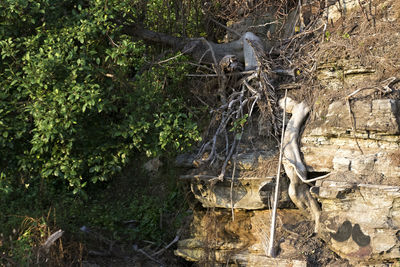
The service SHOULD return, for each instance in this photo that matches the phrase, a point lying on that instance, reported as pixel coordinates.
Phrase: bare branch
(51, 239)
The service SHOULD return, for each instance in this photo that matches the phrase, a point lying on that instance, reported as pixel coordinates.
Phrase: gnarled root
(299, 192)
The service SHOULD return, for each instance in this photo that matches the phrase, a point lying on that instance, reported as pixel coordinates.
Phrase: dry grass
(27, 244)
(362, 39)
(235, 10)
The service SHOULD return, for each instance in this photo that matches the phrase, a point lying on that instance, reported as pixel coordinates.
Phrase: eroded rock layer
(360, 199)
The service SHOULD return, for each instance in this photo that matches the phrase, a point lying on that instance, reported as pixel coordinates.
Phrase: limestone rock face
(357, 142)
(368, 155)
(240, 238)
(360, 199)
(247, 193)
(360, 222)
(251, 189)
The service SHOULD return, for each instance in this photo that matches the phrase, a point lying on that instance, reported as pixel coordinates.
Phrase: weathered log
(299, 192)
(199, 48)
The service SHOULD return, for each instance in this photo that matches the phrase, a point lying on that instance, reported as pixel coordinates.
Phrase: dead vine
(240, 93)
(239, 99)
(384, 88)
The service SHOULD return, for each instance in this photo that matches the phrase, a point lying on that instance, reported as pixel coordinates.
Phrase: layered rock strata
(360, 199)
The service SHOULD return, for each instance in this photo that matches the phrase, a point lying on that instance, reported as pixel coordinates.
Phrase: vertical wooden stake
(271, 251)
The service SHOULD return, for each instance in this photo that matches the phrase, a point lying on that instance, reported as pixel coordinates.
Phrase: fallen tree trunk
(200, 49)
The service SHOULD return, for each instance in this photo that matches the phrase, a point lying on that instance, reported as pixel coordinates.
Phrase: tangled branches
(241, 93)
(233, 10)
(253, 89)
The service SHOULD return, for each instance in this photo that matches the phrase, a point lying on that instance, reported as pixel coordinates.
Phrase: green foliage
(180, 18)
(239, 123)
(327, 36)
(138, 217)
(124, 210)
(78, 100)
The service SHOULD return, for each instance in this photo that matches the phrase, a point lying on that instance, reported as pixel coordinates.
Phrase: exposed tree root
(299, 191)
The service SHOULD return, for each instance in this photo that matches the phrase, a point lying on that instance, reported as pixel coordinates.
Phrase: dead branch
(384, 88)
(226, 28)
(301, 176)
(51, 239)
(176, 239)
(239, 104)
(231, 192)
(137, 249)
(294, 167)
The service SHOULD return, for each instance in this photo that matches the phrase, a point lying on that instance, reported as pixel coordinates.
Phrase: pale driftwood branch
(204, 54)
(176, 239)
(251, 89)
(240, 73)
(386, 84)
(51, 239)
(231, 192)
(176, 56)
(212, 51)
(135, 248)
(289, 86)
(263, 25)
(217, 75)
(226, 142)
(199, 176)
(295, 169)
(358, 71)
(112, 41)
(290, 73)
(304, 179)
(199, 66)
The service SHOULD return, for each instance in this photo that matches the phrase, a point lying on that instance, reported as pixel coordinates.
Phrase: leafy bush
(78, 97)
(79, 100)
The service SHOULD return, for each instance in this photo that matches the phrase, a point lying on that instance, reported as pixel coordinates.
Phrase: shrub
(78, 97)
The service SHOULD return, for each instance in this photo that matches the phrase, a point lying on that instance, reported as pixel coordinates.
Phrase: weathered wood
(295, 169)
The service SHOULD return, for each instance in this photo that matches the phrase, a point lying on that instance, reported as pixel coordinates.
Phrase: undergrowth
(135, 209)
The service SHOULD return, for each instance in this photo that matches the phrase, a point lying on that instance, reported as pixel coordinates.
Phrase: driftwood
(299, 191)
(45, 248)
(51, 239)
(200, 49)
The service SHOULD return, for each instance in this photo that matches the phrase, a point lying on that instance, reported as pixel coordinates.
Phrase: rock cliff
(352, 134)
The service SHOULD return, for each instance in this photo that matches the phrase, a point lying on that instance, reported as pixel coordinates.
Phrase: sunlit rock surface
(370, 154)
(356, 141)
(360, 199)
(240, 238)
(360, 222)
